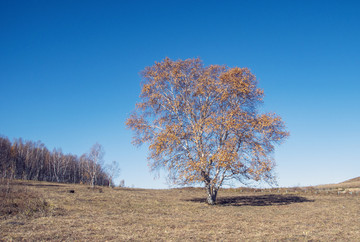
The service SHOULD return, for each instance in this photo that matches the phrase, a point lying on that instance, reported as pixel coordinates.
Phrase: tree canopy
(203, 124)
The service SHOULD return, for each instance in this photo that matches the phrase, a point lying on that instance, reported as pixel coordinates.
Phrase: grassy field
(52, 211)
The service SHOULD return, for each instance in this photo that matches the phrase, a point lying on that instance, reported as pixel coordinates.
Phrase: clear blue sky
(69, 73)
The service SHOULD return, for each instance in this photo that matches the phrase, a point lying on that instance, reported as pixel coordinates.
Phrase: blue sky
(69, 74)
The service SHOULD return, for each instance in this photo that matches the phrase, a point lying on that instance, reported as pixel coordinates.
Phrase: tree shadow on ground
(256, 200)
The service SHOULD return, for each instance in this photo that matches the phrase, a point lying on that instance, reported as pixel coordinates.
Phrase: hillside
(354, 180)
(75, 212)
(348, 185)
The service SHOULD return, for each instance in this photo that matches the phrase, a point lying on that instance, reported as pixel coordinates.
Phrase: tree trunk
(92, 182)
(211, 194)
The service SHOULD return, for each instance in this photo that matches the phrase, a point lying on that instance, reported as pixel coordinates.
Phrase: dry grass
(20, 201)
(349, 186)
(181, 214)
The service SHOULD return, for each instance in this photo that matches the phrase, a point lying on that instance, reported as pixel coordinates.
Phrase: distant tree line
(28, 160)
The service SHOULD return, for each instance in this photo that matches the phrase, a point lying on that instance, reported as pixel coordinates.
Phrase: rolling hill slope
(353, 183)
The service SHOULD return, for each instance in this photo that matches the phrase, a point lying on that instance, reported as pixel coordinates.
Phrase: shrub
(16, 200)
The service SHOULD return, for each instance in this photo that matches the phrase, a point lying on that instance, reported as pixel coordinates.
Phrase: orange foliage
(202, 123)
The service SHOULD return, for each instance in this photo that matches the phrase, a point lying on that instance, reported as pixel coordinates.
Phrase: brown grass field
(38, 211)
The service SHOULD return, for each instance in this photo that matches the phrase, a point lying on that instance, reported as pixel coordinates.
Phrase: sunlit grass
(182, 214)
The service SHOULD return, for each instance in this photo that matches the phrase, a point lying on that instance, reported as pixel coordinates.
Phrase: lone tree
(202, 124)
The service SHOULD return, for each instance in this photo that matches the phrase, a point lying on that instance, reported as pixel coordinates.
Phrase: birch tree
(95, 162)
(113, 171)
(203, 124)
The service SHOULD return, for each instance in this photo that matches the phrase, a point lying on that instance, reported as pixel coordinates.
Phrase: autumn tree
(203, 124)
(5, 152)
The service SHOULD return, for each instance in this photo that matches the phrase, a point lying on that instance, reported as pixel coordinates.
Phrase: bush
(16, 200)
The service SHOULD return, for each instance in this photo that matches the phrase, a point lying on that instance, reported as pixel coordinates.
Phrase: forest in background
(28, 160)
